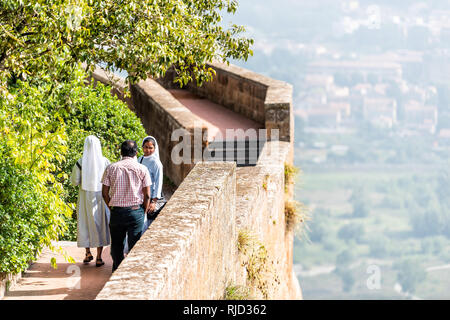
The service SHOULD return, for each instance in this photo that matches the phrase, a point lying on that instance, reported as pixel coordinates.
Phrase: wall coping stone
(160, 96)
(278, 92)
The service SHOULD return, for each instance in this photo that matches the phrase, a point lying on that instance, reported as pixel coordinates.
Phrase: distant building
(383, 69)
(321, 117)
(420, 117)
(380, 111)
(319, 80)
(444, 133)
(343, 107)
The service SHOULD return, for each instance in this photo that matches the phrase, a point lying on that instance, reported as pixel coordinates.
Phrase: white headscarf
(92, 165)
(155, 154)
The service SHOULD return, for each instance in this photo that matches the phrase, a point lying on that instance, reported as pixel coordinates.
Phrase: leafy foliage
(42, 135)
(143, 37)
(32, 142)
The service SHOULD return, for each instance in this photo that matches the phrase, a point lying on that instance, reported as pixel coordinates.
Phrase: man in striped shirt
(126, 191)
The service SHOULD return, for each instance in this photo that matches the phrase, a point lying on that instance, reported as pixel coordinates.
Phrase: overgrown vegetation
(291, 173)
(256, 261)
(296, 214)
(237, 293)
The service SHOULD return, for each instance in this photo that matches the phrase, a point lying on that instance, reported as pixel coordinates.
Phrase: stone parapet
(260, 209)
(257, 97)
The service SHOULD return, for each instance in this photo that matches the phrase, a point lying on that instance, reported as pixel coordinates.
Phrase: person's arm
(146, 191)
(147, 182)
(105, 194)
(75, 177)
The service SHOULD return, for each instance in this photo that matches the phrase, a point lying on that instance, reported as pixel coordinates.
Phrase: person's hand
(152, 207)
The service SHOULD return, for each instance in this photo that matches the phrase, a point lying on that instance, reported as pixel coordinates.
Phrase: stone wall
(262, 99)
(189, 252)
(260, 201)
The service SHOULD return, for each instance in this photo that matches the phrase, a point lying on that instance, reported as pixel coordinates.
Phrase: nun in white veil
(151, 160)
(92, 213)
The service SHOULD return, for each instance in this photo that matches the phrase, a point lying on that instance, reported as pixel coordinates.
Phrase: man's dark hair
(128, 148)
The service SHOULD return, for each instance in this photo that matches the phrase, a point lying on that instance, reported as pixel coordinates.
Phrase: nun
(92, 212)
(151, 160)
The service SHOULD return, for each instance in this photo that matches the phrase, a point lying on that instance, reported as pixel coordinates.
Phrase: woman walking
(151, 160)
(92, 213)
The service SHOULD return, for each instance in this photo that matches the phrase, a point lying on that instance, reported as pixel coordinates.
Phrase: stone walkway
(216, 117)
(68, 282)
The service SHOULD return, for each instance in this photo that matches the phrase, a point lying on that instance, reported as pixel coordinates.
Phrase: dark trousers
(124, 221)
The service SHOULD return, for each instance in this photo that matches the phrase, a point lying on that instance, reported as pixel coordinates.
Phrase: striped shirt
(126, 179)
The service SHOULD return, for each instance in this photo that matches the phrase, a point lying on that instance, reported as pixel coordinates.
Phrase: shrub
(378, 247)
(22, 218)
(32, 144)
(360, 202)
(344, 258)
(348, 279)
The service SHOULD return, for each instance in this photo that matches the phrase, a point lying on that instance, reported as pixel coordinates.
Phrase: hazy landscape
(372, 118)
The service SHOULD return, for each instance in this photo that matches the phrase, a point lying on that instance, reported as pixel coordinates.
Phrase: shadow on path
(67, 282)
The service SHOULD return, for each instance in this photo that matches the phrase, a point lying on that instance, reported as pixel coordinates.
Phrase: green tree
(410, 274)
(144, 37)
(351, 231)
(344, 258)
(317, 229)
(360, 202)
(343, 261)
(378, 247)
(32, 144)
(348, 280)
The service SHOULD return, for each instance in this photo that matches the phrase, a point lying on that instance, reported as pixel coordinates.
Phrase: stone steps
(243, 152)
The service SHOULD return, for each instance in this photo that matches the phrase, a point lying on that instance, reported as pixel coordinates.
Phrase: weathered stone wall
(253, 95)
(189, 252)
(260, 201)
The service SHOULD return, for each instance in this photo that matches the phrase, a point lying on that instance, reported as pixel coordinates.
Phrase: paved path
(67, 282)
(217, 117)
